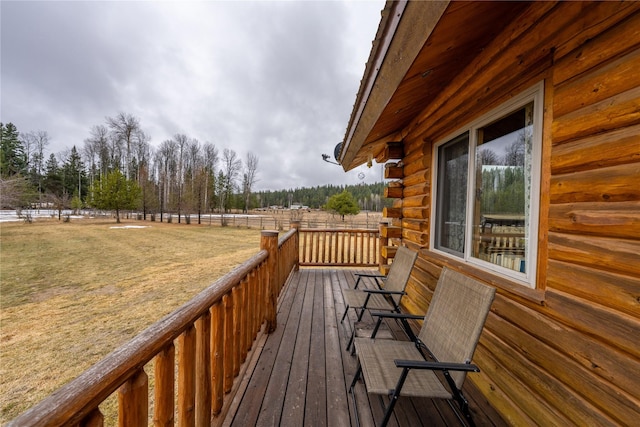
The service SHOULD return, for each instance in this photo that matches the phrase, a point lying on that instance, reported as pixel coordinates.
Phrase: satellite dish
(336, 151)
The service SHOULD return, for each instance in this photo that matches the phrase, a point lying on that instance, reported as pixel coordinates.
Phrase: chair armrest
(377, 277)
(382, 291)
(396, 315)
(370, 275)
(436, 366)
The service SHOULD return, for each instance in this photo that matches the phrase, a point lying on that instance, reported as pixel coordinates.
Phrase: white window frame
(535, 94)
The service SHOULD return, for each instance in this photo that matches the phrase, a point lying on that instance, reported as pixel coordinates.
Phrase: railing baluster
(164, 394)
(203, 370)
(217, 351)
(244, 321)
(186, 377)
(94, 419)
(237, 328)
(133, 401)
(227, 363)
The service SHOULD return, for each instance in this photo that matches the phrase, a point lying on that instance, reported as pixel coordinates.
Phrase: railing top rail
(71, 403)
(286, 236)
(339, 230)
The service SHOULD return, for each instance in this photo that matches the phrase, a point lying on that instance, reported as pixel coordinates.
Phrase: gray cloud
(278, 79)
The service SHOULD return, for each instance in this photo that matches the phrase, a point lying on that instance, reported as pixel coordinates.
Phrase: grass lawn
(70, 293)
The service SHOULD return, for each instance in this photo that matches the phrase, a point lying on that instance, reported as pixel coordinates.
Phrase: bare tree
(166, 166)
(182, 142)
(232, 166)
(35, 144)
(250, 178)
(125, 130)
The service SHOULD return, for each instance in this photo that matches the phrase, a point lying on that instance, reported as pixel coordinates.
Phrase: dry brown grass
(72, 292)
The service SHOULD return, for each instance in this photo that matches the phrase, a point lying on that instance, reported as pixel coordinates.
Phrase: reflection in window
(453, 158)
(502, 190)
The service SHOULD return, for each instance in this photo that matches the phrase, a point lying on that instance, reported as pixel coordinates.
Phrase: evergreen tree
(53, 177)
(116, 193)
(13, 159)
(74, 175)
(343, 204)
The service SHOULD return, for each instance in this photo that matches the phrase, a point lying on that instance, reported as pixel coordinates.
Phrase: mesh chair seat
(381, 374)
(357, 298)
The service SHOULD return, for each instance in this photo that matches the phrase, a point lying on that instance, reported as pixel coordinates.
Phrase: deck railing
(213, 334)
(338, 247)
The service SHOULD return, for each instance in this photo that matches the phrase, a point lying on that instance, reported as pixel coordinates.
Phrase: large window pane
(502, 190)
(453, 158)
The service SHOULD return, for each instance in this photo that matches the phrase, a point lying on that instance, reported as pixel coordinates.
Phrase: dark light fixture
(336, 153)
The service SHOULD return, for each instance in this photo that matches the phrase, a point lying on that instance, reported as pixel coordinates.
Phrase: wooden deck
(300, 374)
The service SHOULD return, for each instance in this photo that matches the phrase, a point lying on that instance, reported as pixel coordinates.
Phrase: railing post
(296, 244)
(384, 241)
(269, 242)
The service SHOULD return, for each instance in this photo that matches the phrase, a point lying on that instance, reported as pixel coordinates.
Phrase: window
(487, 190)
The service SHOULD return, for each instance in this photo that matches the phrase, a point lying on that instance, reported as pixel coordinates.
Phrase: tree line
(181, 175)
(117, 168)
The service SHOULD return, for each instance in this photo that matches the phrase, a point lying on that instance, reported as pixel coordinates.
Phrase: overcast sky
(276, 78)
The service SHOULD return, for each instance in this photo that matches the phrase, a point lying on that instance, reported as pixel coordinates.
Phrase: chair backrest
(455, 318)
(400, 271)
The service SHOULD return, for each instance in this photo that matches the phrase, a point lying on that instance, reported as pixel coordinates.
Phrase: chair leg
(346, 310)
(353, 335)
(353, 394)
(394, 397)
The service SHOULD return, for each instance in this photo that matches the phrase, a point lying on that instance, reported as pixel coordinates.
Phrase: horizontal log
(393, 172)
(392, 150)
(616, 291)
(598, 84)
(420, 177)
(415, 224)
(533, 389)
(613, 184)
(592, 46)
(621, 220)
(391, 232)
(612, 113)
(594, 151)
(607, 254)
(417, 237)
(594, 354)
(419, 151)
(392, 212)
(419, 189)
(393, 192)
(596, 391)
(416, 213)
(610, 326)
(418, 201)
(417, 165)
(389, 251)
(500, 401)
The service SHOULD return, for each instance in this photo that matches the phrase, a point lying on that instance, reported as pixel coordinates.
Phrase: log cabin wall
(566, 352)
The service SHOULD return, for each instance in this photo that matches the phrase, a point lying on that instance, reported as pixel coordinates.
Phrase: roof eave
(397, 44)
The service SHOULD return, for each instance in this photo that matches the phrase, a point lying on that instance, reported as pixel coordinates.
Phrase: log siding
(566, 352)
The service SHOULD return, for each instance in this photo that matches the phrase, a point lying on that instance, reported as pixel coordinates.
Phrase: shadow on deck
(300, 374)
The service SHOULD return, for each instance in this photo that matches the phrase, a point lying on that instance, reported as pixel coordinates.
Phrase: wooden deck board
(303, 373)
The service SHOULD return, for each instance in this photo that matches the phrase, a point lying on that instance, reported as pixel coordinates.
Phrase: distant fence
(264, 222)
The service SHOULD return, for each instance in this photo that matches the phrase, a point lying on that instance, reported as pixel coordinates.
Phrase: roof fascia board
(407, 29)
